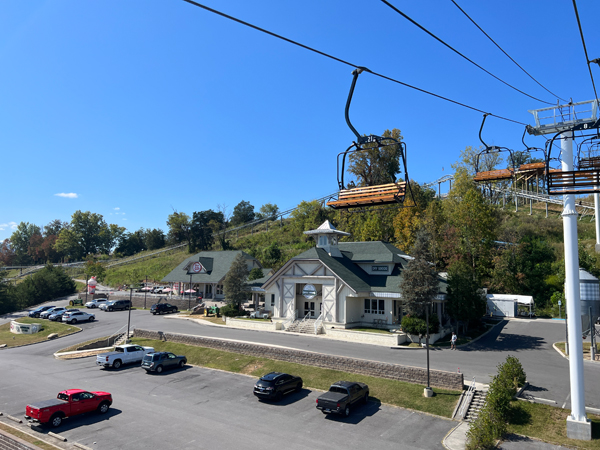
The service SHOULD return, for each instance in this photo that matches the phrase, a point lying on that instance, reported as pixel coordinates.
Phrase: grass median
(548, 423)
(397, 393)
(48, 327)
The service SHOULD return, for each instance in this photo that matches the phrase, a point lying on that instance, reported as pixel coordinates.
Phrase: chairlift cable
(460, 54)
(502, 50)
(306, 47)
(587, 58)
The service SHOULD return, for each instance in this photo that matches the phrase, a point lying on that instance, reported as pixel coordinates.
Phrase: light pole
(428, 392)
(145, 291)
(129, 312)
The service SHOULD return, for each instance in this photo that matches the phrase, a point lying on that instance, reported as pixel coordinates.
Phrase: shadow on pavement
(79, 421)
(496, 341)
(357, 412)
(288, 399)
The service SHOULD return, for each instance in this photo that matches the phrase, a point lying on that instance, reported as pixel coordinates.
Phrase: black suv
(163, 308)
(116, 305)
(273, 385)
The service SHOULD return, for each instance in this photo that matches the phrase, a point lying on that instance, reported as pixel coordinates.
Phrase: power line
(306, 47)
(502, 50)
(460, 54)
(587, 58)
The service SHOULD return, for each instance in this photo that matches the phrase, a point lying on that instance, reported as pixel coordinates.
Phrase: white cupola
(327, 238)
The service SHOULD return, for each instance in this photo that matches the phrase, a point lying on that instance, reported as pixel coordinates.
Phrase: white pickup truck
(123, 354)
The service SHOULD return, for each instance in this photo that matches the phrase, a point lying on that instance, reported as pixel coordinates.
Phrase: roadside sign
(197, 267)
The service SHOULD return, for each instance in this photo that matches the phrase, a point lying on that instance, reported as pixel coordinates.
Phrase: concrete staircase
(475, 406)
(302, 326)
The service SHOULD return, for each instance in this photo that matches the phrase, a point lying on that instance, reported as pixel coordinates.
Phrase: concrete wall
(504, 308)
(264, 325)
(417, 375)
(11, 442)
(387, 339)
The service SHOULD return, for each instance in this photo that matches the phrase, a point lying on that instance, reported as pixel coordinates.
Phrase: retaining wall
(263, 325)
(10, 442)
(387, 339)
(417, 375)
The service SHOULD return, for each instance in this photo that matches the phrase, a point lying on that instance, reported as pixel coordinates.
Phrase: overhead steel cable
(460, 54)
(587, 58)
(306, 47)
(502, 50)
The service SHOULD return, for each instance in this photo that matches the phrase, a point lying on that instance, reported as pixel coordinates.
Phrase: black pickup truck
(341, 396)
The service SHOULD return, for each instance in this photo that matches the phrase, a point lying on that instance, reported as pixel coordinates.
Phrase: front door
(309, 308)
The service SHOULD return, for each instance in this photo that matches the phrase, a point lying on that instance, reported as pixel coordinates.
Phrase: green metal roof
(216, 263)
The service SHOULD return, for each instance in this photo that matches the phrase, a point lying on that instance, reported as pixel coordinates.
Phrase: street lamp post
(145, 291)
(129, 311)
(190, 297)
(428, 392)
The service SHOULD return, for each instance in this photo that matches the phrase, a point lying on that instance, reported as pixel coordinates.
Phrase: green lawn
(586, 349)
(392, 392)
(49, 327)
(369, 330)
(549, 424)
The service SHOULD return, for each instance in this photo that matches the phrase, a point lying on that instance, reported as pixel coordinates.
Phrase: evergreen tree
(235, 285)
(465, 301)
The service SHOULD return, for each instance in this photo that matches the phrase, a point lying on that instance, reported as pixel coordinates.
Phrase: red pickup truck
(67, 404)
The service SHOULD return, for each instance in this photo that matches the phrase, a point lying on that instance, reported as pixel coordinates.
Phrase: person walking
(453, 341)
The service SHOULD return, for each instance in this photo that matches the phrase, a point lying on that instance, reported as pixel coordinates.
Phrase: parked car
(36, 312)
(159, 361)
(57, 316)
(45, 314)
(115, 305)
(275, 384)
(78, 316)
(158, 289)
(342, 396)
(68, 403)
(163, 308)
(123, 354)
(96, 303)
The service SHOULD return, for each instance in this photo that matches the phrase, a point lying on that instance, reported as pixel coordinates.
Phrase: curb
(57, 436)
(560, 352)
(59, 355)
(46, 340)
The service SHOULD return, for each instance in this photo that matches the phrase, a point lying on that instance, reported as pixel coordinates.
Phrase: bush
(48, 283)
(231, 310)
(418, 326)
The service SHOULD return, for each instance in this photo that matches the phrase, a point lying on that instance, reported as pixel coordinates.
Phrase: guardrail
(467, 399)
(318, 323)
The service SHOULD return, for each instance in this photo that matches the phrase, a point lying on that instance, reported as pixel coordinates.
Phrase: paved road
(529, 340)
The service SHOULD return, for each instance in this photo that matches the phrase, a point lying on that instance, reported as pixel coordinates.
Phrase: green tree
(376, 165)
(255, 274)
(201, 232)
(243, 213)
(154, 239)
(271, 255)
(235, 286)
(20, 240)
(268, 211)
(420, 284)
(7, 253)
(132, 243)
(410, 219)
(465, 302)
(308, 216)
(54, 227)
(94, 269)
(7, 301)
(179, 228)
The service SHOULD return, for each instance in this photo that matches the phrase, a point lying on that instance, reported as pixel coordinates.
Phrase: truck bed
(46, 403)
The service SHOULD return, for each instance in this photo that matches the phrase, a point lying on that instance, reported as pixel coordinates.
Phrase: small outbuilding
(507, 305)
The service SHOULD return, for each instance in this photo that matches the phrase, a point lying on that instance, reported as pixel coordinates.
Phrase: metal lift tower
(562, 122)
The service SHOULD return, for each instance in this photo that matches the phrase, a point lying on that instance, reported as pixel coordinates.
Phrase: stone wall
(10, 442)
(387, 339)
(417, 375)
(263, 325)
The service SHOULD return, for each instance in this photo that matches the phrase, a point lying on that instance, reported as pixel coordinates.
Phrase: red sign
(197, 267)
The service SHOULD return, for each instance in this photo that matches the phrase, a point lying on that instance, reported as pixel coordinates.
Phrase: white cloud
(11, 225)
(69, 195)
(124, 218)
(117, 208)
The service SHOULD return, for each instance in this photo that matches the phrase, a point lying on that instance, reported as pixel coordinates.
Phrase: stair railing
(290, 320)
(318, 323)
(307, 316)
(467, 399)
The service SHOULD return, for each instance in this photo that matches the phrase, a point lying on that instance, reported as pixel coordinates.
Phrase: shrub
(418, 326)
(231, 310)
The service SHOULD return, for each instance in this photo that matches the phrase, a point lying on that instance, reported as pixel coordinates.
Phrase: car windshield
(148, 357)
(338, 389)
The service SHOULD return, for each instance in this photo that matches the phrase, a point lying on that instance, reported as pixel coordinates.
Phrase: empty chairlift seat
(493, 175)
(383, 194)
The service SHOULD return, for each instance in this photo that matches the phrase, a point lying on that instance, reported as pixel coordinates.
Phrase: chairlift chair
(492, 175)
(376, 195)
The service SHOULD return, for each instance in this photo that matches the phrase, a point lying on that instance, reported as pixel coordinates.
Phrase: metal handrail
(290, 319)
(318, 323)
(469, 393)
(304, 319)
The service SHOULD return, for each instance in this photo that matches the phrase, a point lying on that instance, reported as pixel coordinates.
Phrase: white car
(96, 303)
(157, 290)
(78, 316)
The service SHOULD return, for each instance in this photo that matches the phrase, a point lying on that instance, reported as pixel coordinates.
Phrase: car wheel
(159, 369)
(279, 396)
(299, 387)
(73, 321)
(347, 411)
(56, 420)
(182, 363)
(175, 311)
(110, 309)
(91, 319)
(153, 313)
(117, 364)
(103, 408)
(127, 307)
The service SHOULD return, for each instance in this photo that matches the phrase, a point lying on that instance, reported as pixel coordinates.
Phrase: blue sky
(139, 108)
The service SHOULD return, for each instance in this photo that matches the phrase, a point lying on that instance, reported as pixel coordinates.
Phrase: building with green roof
(342, 284)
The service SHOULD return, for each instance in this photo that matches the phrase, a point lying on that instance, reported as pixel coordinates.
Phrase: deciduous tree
(243, 213)
(377, 165)
(235, 286)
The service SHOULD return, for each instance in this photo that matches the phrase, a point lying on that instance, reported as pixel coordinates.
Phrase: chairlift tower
(563, 121)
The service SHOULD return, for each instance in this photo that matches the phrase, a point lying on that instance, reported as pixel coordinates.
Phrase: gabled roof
(372, 252)
(219, 263)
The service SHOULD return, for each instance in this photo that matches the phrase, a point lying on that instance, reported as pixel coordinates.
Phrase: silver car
(55, 310)
(77, 316)
(96, 303)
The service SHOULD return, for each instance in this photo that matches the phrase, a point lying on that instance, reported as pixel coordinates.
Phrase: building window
(322, 240)
(367, 306)
(272, 299)
(208, 288)
(374, 306)
(381, 306)
(219, 289)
